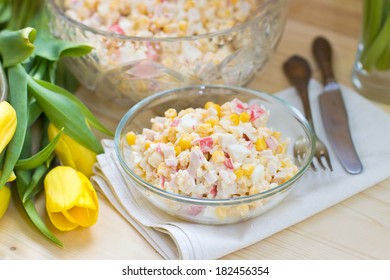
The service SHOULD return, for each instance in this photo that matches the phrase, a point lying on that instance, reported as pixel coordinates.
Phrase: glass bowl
(126, 69)
(283, 118)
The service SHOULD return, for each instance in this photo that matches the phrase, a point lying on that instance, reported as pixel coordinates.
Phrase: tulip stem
(375, 37)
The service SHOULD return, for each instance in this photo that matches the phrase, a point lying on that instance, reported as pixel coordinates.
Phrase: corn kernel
(177, 150)
(212, 121)
(185, 141)
(204, 129)
(147, 145)
(130, 138)
(139, 171)
(185, 112)
(141, 23)
(142, 9)
(281, 149)
(286, 163)
(210, 104)
(170, 113)
(169, 28)
(247, 169)
(113, 4)
(183, 25)
(242, 210)
(218, 156)
(205, 21)
(220, 212)
(260, 144)
(276, 134)
(162, 170)
(228, 24)
(234, 119)
(224, 13)
(214, 3)
(90, 4)
(244, 117)
(239, 173)
(171, 134)
(160, 22)
(188, 5)
(253, 190)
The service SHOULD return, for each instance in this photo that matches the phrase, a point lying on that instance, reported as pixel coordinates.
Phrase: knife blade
(333, 111)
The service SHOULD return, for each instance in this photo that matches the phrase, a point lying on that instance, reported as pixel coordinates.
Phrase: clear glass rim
(59, 12)
(206, 201)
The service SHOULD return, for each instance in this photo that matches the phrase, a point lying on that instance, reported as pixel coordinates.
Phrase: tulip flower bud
(72, 153)
(71, 200)
(7, 124)
(5, 197)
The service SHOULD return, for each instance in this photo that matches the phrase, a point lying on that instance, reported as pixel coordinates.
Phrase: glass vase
(371, 72)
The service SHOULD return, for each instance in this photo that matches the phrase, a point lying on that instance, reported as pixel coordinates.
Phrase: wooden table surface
(357, 228)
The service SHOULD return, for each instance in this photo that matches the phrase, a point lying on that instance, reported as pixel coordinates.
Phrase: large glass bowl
(120, 68)
(283, 117)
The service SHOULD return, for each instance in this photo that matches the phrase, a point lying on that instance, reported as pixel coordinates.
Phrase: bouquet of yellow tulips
(57, 160)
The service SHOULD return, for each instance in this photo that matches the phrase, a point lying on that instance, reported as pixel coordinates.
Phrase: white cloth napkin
(176, 239)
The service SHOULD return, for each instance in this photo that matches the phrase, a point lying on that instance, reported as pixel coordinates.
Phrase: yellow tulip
(5, 197)
(7, 124)
(71, 153)
(71, 200)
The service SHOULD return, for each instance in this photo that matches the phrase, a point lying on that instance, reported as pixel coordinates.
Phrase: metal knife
(333, 112)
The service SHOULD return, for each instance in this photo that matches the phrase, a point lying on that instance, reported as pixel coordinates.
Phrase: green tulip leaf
(16, 46)
(53, 49)
(92, 120)
(23, 179)
(18, 99)
(31, 211)
(40, 157)
(35, 186)
(63, 112)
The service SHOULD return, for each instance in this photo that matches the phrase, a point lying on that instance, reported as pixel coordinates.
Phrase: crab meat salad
(216, 152)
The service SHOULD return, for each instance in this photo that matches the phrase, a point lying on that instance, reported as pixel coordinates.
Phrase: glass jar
(371, 72)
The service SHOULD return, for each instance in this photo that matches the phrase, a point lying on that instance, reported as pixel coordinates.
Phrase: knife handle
(322, 52)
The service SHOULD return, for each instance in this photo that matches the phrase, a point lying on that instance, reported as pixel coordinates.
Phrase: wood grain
(357, 228)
